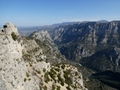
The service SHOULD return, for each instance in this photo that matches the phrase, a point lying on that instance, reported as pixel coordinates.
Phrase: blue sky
(46, 12)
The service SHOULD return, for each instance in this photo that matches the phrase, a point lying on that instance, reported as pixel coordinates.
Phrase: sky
(47, 12)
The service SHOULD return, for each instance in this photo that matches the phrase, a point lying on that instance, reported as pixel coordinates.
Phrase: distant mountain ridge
(27, 30)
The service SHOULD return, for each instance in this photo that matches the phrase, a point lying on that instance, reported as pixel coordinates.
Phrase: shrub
(25, 79)
(45, 87)
(30, 64)
(38, 71)
(52, 74)
(14, 36)
(53, 87)
(63, 66)
(58, 87)
(60, 79)
(76, 73)
(67, 78)
(68, 88)
(46, 77)
(57, 69)
(44, 69)
(26, 57)
(27, 74)
(40, 87)
(29, 79)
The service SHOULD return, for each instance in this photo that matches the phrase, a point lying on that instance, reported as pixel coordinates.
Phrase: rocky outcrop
(41, 35)
(51, 49)
(8, 28)
(25, 65)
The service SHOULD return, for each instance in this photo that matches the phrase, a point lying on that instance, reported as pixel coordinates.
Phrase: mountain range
(95, 45)
(66, 56)
(90, 42)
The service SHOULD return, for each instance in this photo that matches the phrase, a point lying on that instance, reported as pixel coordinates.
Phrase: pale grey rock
(42, 35)
(117, 50)
(2, 83)
(23, 64)
(8, 28)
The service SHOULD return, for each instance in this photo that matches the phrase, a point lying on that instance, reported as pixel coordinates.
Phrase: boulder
(8, 28)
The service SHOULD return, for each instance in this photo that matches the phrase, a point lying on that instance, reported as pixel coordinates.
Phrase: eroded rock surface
(25, 64)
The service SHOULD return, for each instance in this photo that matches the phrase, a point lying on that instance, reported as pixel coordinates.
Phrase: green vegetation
(45, 87)
(63, 66)
(74, 86)
(68, 88)
(67, 77)
(26, 57)
(14, 36)
(60, 80)
(46, 77)
(25, 79)
(57, 69)
(76, 73)
(44, 69)
(53, 87)
(30, 64)
(58, 87)
(40, 87)
(27, 74)
(52, 74)
(58, 65)
(29, 79)
(38, 71)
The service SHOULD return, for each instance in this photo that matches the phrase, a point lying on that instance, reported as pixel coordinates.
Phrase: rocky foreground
(26, 63)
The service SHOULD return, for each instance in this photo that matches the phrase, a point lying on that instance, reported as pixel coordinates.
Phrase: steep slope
(108, 77)
(26, 64)
(44, 40)
(107, 59)
(85, 39)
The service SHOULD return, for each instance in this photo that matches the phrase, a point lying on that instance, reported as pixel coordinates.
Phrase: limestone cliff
(90, 40)
(26, 65)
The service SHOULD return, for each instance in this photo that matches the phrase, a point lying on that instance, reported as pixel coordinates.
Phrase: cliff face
(26, 63)
(44, 40)
(91, 33)
(86, 39)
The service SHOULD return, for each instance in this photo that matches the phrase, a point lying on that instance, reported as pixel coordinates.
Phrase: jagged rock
(24, 64)
(42, 35)
(8, 28)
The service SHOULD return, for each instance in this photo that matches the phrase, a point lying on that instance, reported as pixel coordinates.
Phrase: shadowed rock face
(109, 78)
(85, 39)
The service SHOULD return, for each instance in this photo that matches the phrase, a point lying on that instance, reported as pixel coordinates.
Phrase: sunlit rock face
(8, 28)
(25, 64)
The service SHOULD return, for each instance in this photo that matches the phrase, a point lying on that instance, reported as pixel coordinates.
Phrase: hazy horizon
(45, 12)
